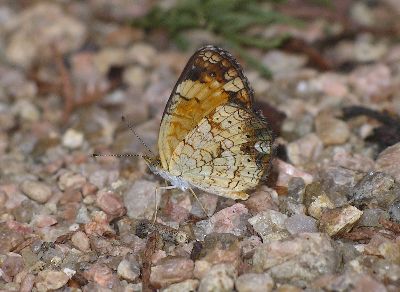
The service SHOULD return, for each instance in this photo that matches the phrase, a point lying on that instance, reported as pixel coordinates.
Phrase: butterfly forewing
(211, 78)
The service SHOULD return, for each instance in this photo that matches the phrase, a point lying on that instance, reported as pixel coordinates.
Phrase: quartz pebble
(128, 270)
(37, 191)
(254, 283)
(388, 161)
(270, 225)
(262, 200)
(139, 199)
(305, 149)
(72, 139)
(110, 203)
(51, 280)
(185, 286)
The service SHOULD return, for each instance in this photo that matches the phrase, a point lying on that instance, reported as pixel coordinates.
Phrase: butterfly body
(210, 136)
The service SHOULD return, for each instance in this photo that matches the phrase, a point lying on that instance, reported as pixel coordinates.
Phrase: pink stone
(287, 171)
(262, 200)
(110, 203)
(102, 275)
(171, 270)
(99, 224)
(44, 220)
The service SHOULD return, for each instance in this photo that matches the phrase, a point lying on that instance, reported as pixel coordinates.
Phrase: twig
(148, 254)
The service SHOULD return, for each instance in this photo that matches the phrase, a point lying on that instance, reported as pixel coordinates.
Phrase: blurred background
(82, 64)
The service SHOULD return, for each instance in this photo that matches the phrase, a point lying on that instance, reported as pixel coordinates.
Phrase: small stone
(136, 77)
(128, 270)
(37, 191)
(375, 188)
(171, 270)
(139, 199)
(388, 161)
(98, 225)
(318, 205)
(371, 217)
(142, 54)
(218, 278)
(42, 220)
(12, 265)
(102, 275)
(270, 225)
(296, 260)
(80, 240)
(301, 223)
(304, 150)
(51, 280)
(27, 283)
(70, 179)
(290, 207)
(108, 57)
(282, 64)
(110, 203)
(72, 139)
(287, 171)
(370, 80)
(394, 212)
(331, 131)
(185, 286)
(26, 110)
(254, 283)
(82, 217)
(229, 220)
(262, 200)
(339, 220)
(296, 189)
(220, 248)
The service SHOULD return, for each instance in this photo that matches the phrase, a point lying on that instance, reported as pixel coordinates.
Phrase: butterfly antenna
(117, 155)
(130, 127)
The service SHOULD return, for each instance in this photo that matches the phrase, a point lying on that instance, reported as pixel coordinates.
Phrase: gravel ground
(328, 219)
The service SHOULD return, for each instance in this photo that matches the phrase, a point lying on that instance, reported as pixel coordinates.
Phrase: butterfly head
(153, 162)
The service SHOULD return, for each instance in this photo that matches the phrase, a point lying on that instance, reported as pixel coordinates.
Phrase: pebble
(171, 270)
(136, 77)
(287, 171)
(370, 217)
(270, 225)
(218, 278)
(253, 282)
(330, 130)
(388, 161)
(139, 199)
(375, 188)
(128, 270)
(262, 200)
(80, 240)
(304, 150)
(26, 110)
(220, 248)
(283, 64)
(101, 275)
(42, 220)
(229, 220)
(70, 179)
(27, 283)
(296, 260)
(51, 280)
(394, 212)
(72, 139)
(296, 189)
(82, 217)
(370, 80)
(185, 286)
(110, 203)
(12, 264)
(339, 220)
(142, 54)
(299, 223)
(37, 191)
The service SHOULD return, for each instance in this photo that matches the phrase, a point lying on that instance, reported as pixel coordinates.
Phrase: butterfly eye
(247, 136)
(212, 74)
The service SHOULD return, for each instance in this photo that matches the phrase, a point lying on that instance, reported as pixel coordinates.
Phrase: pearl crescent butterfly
(211, 137)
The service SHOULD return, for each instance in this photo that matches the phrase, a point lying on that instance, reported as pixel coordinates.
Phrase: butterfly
(211, 137)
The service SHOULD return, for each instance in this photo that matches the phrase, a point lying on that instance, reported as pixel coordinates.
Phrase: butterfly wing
(227, 153)
(211, 78)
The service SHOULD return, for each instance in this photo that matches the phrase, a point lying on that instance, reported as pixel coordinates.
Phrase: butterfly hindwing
(227, 153)
(211, 78)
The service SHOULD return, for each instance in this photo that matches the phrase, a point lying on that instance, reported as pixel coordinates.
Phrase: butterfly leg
(197, 198)
(155, 199)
